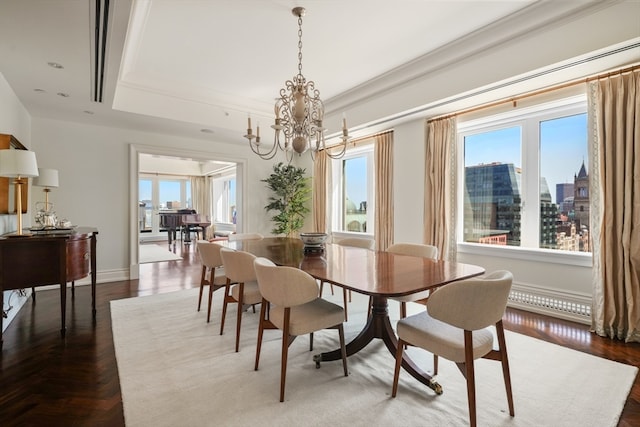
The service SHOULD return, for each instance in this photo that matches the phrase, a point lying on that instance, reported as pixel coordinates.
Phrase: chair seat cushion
(309, 317)
(441, 338)
(252, 294)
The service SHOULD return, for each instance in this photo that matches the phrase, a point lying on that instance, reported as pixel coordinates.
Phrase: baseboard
(555, 303)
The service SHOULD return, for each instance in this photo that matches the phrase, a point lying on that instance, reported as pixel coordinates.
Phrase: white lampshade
(18, 163)
(46, 178)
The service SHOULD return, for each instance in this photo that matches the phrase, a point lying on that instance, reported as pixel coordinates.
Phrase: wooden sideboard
(48, 258)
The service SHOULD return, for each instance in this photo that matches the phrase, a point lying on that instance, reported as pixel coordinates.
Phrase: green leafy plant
(289, 200)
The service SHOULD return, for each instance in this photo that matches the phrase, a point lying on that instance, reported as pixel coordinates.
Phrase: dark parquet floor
(49, 381)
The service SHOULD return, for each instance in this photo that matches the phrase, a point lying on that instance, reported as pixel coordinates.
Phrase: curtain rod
(515, 99)
(361, 139)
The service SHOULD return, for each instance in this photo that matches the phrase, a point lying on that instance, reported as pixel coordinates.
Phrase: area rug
(177, 370)
(154, 253)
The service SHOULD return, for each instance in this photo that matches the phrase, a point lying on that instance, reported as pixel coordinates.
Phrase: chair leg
(263, 313)
(211, 289)
(344, 303)
(505, 365)
(403, 309)
(224, 305)
(239, 318)
(321, 287)
(343, 350)
(470, 376)
(396, 372)
(285, 352)
(435, 365)
(202, 282)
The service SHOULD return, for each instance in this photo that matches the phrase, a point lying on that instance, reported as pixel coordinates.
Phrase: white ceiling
(180, 66)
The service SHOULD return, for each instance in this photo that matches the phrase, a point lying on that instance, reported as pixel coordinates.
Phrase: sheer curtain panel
(383, 159)
(440, 186)
(614, 103)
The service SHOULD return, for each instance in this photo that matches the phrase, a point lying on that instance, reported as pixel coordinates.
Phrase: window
(161, 193)
(524, 179)
(353, 191)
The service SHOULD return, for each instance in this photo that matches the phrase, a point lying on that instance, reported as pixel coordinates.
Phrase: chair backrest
(356, 242)
(209, 254)
(284, 286)
(238, 265)
(245, 236)
(472, 304)
(414, 249)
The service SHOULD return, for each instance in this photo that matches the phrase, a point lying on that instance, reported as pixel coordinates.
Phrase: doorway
(168, 186)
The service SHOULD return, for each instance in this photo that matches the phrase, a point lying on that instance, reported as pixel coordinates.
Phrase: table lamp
(47, 178)
(18, 164)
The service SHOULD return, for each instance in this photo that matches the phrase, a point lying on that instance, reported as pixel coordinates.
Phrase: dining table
(378, 274)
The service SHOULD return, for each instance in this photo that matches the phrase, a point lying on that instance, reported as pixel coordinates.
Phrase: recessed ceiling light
(39, 90)
(206, 131)
(88, 112)
(64, 95)
(55, 65)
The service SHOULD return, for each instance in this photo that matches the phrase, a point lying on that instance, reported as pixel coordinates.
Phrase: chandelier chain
(300, 45)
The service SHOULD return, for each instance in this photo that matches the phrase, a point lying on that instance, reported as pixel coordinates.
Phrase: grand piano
(185, 221)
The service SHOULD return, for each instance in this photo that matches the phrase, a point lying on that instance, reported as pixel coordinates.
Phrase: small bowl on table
(313, 240)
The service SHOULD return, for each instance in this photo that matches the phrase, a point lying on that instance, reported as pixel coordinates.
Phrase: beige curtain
(319, 196)
(615, 183)
(383, 160)
(201, 194)
(440, 186)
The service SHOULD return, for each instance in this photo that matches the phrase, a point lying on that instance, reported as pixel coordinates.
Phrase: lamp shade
(46, 178)
(18, 163)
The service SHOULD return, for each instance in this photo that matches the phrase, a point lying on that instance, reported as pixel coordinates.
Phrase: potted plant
(290, 190)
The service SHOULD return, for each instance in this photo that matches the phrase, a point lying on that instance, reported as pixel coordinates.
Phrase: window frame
(367, 151)
(530, 185)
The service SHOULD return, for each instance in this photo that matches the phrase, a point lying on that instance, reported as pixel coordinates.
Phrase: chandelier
(299, 117)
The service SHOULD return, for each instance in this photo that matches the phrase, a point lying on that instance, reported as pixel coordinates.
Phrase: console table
(49, 257)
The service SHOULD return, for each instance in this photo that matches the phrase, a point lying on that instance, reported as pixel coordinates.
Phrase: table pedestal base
(379, 326)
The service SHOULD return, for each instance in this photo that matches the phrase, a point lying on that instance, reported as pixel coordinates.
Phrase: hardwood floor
(49, 381)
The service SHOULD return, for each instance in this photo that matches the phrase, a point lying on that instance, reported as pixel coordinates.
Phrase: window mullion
(530, 184)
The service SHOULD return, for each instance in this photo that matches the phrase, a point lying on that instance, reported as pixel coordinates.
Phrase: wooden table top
(361, 270)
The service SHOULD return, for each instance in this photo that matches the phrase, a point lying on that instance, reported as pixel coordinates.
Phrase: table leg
(379, 326)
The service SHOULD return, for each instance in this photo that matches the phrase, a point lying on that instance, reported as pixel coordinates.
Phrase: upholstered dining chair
(457, 326)
(353, 242)
(212, 264)
(413, 249)
(241, 287)
(290, 302)
(245, 236)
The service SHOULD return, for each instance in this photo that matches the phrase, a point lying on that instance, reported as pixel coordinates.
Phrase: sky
(356, 177)
(563, 149)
